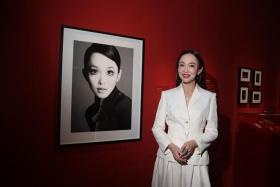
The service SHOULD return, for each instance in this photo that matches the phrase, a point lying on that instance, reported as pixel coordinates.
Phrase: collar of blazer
(195, 95)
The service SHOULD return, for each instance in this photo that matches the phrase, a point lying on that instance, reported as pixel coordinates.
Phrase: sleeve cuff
(199, 148)
(165, 149)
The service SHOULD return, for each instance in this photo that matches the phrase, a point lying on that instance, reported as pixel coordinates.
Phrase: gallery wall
(227, 34)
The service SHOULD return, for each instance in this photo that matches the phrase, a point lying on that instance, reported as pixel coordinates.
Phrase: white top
(197, 121)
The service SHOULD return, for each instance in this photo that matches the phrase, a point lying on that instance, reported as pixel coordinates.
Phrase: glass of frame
(243, 95)
(256, 97)
(244, 74)
(97, 95)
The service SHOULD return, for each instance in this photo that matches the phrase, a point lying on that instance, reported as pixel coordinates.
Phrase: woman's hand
(187, 149)
(177, 154)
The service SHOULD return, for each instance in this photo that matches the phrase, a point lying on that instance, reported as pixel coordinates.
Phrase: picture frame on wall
(256, 97)
(100, 87)
(257, 79)
(244, 74)
(243, 95)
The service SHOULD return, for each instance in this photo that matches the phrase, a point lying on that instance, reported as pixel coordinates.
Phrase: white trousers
(172, 174)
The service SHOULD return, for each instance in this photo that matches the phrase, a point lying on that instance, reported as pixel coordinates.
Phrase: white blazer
(197, 121)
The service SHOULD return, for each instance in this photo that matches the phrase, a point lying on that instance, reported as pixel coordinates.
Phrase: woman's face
(103, 75)
(188, 68)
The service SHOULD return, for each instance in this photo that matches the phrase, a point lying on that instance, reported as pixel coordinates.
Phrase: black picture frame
(244, 74)
(256, 97)
(243, 95)
(257, 78)
(76, 95)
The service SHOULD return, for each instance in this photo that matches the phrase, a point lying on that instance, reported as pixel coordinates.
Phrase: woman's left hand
(188, 149)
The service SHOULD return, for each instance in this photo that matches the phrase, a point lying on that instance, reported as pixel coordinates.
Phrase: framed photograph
(257, 78)
(244, 74)
(256, 97)
(243, 95)
(101, 87)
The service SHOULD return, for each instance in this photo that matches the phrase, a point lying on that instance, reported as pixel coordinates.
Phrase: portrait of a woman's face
(103, 75)
(100, 93)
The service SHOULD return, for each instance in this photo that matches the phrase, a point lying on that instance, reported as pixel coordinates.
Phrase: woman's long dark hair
(200, 79)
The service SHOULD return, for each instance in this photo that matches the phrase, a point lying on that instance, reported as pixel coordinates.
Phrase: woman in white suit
(190, 114)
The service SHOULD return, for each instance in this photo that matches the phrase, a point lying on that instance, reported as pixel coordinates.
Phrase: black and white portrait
(101, 87)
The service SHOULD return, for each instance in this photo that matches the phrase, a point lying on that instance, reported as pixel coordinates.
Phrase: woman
(111, 109)
(190, 113)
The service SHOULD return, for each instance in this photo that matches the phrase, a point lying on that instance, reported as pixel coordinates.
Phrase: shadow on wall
(219, 151)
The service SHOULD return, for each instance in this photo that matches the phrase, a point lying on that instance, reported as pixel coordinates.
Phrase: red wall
(228, 35)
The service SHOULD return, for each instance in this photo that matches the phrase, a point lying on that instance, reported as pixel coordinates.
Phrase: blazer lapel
(181, 99)
(195, 96)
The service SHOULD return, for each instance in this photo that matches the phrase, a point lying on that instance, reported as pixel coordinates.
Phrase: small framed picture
(243, 95)
(244, 74)
(256, 97)
(257, 78)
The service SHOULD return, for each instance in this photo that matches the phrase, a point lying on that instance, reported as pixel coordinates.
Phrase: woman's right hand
(176, 151)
